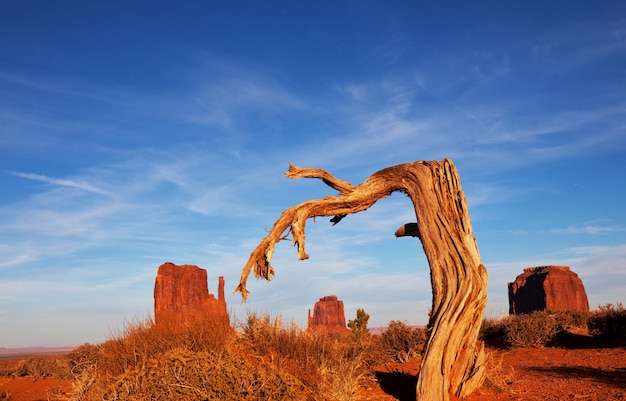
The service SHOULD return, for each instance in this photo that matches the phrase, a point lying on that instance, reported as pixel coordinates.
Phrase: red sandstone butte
(181, 294)
(328, 315)
(554, 288)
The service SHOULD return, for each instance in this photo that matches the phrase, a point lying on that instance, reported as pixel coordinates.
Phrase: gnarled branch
(293, 220)
(453, 359)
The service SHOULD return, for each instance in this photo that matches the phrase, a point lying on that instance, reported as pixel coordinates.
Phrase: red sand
(546, 374)
(28, 389)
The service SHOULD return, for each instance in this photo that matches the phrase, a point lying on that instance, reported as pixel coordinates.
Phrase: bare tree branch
(453, 359)
(293, 220)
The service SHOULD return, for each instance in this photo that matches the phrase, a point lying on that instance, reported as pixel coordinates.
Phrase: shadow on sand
(398, 384)
(615, 378)
(580, 341)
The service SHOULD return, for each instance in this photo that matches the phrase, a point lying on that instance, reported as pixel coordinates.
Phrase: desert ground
(583, 369)
(546, 374)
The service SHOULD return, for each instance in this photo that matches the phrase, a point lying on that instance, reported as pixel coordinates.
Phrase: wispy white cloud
(593, 229)
(222, 93)
(489, 65)
(222, 102)
(84, 186)
(399, 117)
(13, 257)
(489, 193)
(355, 91)
(584, 43)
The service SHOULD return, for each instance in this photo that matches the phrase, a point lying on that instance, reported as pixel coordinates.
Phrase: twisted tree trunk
(453, 359)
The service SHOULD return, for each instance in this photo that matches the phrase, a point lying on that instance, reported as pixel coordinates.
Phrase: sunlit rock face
(181, 295)
(328, 315)
(554, 288)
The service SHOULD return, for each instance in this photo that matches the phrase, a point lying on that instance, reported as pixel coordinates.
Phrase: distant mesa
(553, 288)
(181, 295)
(328, 315)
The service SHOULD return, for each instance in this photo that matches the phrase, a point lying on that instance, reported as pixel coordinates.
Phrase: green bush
(609, 321)
(358, 326)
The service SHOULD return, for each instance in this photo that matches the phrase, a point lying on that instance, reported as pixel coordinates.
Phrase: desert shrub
(82, 358)
(268, 360)
(139, 341)
(340, 378)
(401, 342)
(536, 329)
(60, 367)
(609, 320)
(271, 337)
(181, 374)
(40, 367)
(331, 365)
(524, 330)
(566, 320)
(6, 370)
(492, 331)
(37, 368)
(96, 368)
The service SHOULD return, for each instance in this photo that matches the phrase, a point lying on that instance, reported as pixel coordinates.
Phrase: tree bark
(453, 361)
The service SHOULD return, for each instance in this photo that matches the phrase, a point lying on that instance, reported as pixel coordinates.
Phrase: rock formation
(328, 315)
(555, 288)
(181, 294)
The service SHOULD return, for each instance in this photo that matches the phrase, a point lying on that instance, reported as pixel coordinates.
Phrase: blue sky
(136, 133)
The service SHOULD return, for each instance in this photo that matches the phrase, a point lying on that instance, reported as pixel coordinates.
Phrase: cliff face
(554, 288)
(181, 294)
(328, 315)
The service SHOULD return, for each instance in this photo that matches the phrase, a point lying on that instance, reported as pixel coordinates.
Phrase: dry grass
(329, 365)
(536, 329)
(401, 342)
(540, 329)
(498, 376)
(609, 320)
(37, 368)
(181, 374)
(266, 359)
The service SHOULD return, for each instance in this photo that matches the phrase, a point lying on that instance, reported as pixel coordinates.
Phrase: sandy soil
(27, 389)
(547, 374)
(584, 372)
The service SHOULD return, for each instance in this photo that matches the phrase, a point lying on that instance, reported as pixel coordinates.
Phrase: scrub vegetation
(266, 358)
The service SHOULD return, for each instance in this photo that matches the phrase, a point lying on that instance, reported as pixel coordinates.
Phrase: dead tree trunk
(453, 362)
